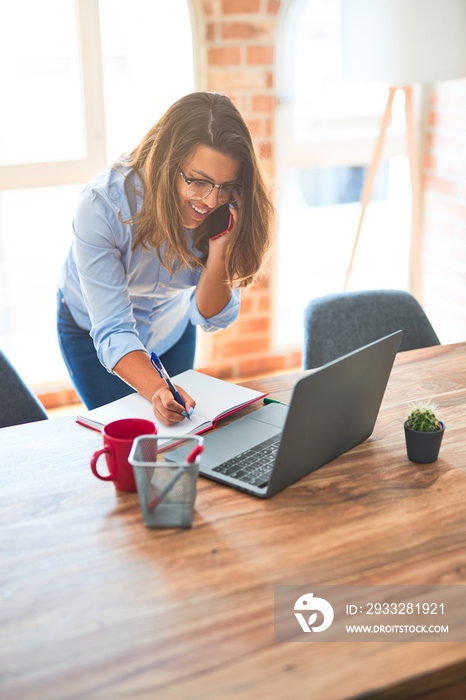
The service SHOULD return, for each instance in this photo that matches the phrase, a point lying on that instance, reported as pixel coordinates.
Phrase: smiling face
(204, 164)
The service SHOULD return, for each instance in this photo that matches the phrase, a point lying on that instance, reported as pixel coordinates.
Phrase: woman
(164, 240)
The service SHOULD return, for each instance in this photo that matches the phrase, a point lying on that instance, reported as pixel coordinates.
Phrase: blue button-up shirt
(126, 298)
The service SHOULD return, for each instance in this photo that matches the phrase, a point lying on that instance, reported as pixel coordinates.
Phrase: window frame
(339, 147)
(332, 147)
(53, 173)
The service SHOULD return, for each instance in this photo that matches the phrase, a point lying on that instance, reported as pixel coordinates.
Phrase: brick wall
(235, 53)
(444, 210)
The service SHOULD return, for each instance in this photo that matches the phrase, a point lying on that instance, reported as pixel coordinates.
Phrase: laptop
(331, 411)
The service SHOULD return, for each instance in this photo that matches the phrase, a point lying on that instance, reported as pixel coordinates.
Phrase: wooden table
(94, 605)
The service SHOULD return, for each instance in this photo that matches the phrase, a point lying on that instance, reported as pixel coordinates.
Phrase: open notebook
(214, 398)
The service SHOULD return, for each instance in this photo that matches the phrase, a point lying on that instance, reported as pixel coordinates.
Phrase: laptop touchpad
(225, 443)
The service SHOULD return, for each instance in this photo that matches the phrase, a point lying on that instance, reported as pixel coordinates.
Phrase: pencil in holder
(166, 479)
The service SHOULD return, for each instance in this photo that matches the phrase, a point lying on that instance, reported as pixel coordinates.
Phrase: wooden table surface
(96, 606)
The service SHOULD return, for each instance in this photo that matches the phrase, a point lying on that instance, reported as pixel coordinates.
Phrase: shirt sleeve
(221, 320)
(100, 240)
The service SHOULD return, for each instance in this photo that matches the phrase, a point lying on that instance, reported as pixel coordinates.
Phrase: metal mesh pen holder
(166, 480)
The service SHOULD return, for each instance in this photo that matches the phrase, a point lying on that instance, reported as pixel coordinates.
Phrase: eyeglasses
(199, 189)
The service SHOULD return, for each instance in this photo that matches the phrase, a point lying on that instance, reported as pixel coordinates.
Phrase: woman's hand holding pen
(171, 403)
(137, 369)
(169, 411)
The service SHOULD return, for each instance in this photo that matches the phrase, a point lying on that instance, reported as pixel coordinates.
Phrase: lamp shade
(402, 42)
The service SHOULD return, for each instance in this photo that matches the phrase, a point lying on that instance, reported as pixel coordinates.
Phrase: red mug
(118, 440)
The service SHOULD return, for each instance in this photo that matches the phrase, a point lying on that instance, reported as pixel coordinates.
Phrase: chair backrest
(339, 323)
(17, 402)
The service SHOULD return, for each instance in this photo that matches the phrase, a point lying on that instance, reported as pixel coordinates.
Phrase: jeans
(94, 385)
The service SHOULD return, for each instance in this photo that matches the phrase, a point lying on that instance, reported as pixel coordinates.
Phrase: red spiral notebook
(214, 398)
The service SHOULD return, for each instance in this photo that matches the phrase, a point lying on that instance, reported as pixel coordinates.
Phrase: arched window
(81, 83)
(326, 133)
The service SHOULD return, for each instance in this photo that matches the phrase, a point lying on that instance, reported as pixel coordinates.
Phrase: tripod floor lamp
(402, 43)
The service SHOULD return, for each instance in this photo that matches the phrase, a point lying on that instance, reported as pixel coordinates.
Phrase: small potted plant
(423, 433)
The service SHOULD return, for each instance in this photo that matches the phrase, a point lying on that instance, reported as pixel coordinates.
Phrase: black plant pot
(423, 447)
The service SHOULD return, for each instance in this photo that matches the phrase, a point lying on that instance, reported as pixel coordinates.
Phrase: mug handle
(94, 459)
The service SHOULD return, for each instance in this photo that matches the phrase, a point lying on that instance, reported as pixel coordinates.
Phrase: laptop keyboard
(252, 466)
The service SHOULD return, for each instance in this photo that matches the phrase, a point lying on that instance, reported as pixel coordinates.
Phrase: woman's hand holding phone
(214, 289)
(225, 219)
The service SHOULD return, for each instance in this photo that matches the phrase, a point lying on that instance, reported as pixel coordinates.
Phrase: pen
(267, 400)
(179, 472)
(163, 374)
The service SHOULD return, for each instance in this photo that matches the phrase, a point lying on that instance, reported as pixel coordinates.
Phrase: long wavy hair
(210, 119)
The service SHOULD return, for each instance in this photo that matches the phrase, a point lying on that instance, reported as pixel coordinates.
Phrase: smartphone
(220, 221)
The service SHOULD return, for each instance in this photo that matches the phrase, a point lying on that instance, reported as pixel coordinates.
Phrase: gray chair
(339, 323)
(17, 402)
